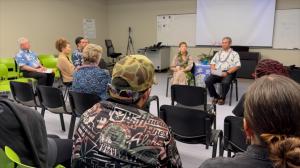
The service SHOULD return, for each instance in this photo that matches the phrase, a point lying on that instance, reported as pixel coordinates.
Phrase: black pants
(42, 78)
(225, 83)
(59, 151)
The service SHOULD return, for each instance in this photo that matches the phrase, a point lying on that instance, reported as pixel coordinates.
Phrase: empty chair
(52, 99)
(23, 93)
(234, 137)
(111, 50)
(192, 97)
(191, 126)
(11, 65)
(80, 102)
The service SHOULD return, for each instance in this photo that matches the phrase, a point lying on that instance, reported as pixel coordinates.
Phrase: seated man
(77, 54)
(30, 65)
(117, 133)
(223, 66)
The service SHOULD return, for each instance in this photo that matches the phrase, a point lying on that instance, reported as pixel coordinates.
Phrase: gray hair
(21, 40)
(92, 53)
(227, 38)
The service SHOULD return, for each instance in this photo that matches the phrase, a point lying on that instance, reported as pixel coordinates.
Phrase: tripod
(130, 48)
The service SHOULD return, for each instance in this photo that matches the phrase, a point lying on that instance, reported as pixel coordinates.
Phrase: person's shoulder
(19, 54)
(234, 53)
(101, 72)
(220, 162)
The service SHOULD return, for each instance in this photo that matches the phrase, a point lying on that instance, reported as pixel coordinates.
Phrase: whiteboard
(287, 29)
(173, 29)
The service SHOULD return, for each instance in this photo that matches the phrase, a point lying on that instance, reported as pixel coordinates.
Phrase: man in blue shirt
(30, 65)
(77, 54)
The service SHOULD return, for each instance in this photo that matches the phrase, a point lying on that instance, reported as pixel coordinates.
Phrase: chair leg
(66, 93)
(168, 80)
(43, 112)
(230, 98)
(71, 129)
(236, 91)
(215, 119)
(228, 153)
(62, 121)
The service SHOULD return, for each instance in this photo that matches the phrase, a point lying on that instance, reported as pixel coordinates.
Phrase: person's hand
(224, 74)
(178, 68)
(41, 69)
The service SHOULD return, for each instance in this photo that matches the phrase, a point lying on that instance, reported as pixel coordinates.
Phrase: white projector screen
(247, 22)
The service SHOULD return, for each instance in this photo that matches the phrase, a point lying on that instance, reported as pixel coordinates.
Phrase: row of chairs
(189, 125)
(52, 99)
(189, 105)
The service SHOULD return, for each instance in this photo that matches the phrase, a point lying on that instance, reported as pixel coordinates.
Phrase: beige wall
(141, 16)
(43, 21)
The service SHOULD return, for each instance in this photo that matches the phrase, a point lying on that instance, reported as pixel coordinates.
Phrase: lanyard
(225, 60)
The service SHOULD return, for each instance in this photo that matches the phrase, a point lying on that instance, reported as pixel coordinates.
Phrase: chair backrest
(109, 47)
(4, 160)
(9, 62)
(295, 74)
(186, 122)
(234, 134)
(108, 43)
(3, 72)
(22, 92)
(11, 154)
(189, 95)
(80, 102)
(50, 97)
(43, 56)
(49, 62)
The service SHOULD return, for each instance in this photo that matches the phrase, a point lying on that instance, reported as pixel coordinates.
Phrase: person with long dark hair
(271, 124)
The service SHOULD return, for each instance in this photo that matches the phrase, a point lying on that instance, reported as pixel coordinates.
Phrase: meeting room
(150, 83)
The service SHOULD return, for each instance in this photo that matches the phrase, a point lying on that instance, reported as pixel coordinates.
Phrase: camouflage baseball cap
(137, 70)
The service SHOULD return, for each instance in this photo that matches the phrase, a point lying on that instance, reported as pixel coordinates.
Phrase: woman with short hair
(89, 78)
(64, 63)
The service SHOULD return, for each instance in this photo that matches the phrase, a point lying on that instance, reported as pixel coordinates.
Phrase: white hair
(22, 40)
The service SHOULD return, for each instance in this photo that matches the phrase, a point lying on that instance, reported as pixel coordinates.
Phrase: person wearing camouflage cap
(117, 132)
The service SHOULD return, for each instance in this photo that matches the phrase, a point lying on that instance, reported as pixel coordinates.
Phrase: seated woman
(271, 124)
(64, 63)
(89, 78)
(181, 66)
(264, 67)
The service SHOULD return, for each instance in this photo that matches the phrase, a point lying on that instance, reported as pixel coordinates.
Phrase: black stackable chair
(192, 97)
(23, 93)
(52, 99)
(111, 50)
(234, 137)
(191, 126)
(80, 102)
